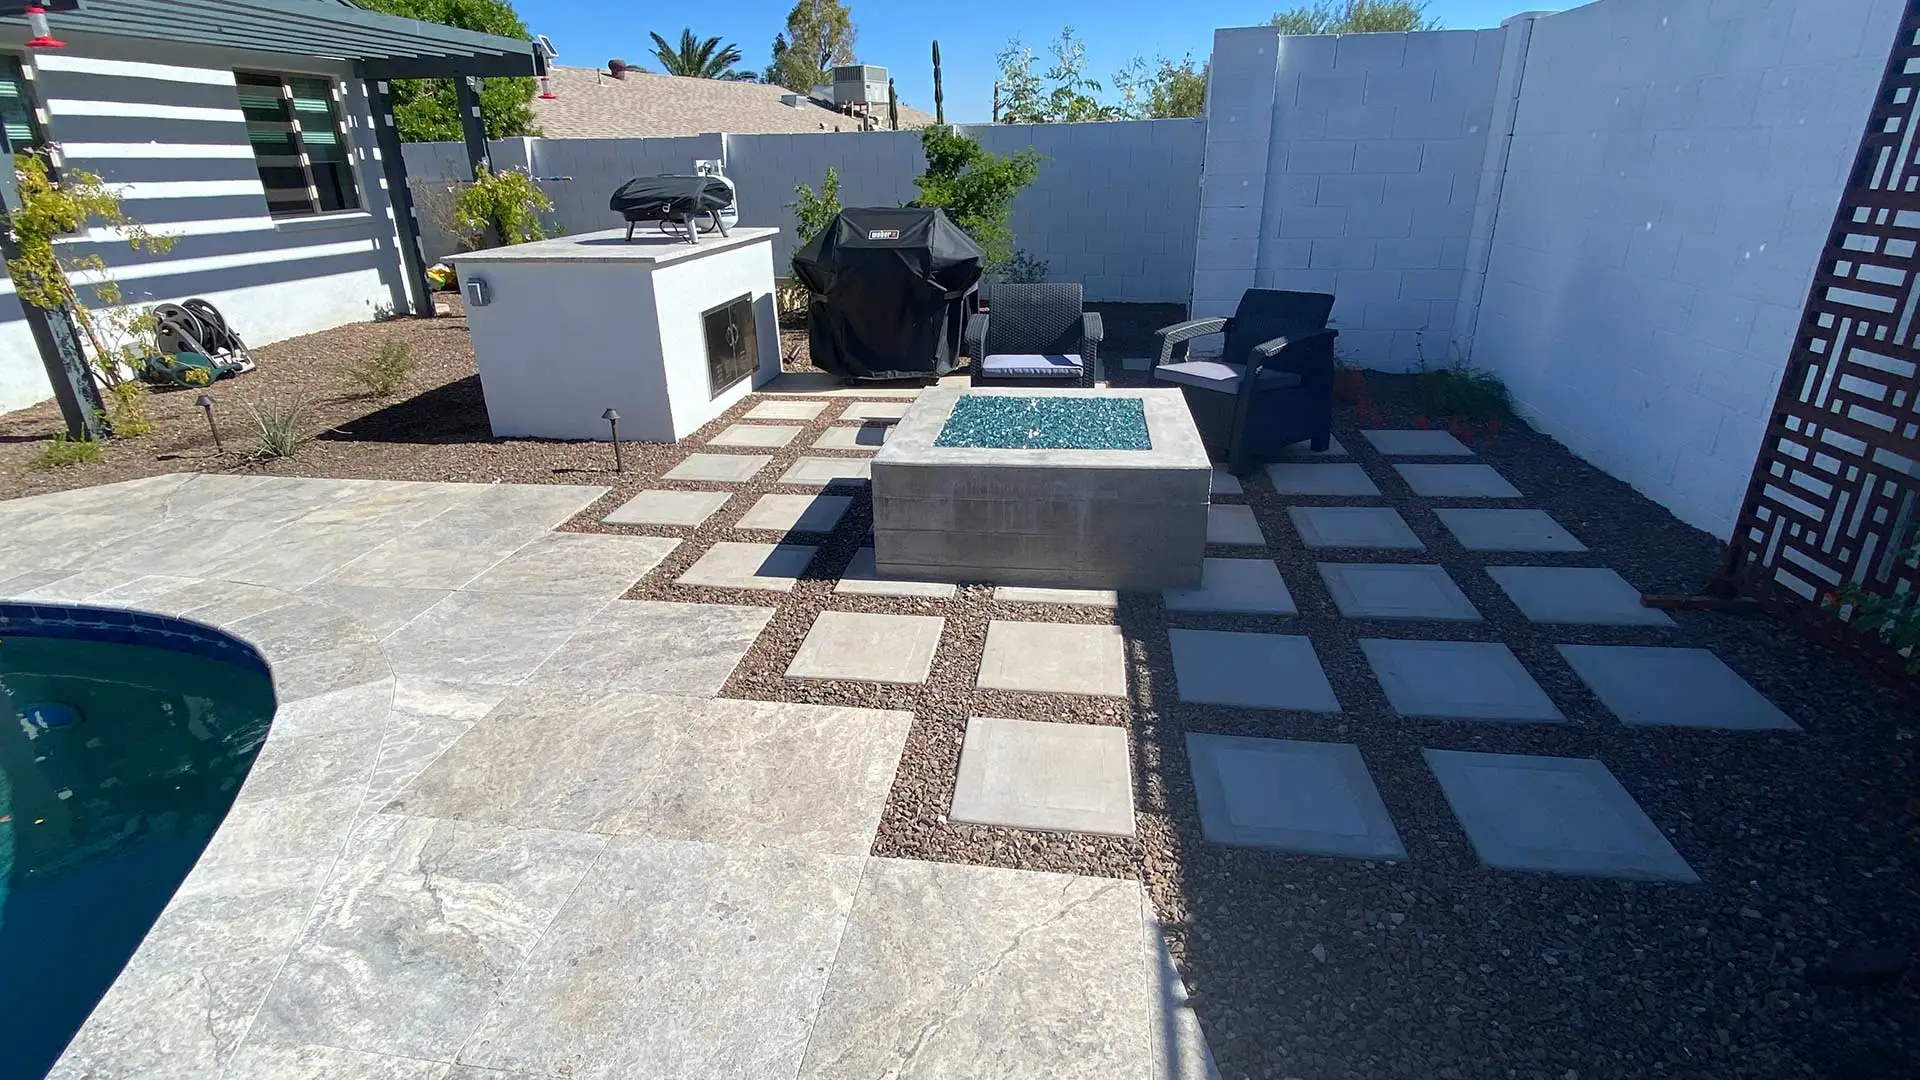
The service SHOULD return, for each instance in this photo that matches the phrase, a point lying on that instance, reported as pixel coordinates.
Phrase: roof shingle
(592, 104)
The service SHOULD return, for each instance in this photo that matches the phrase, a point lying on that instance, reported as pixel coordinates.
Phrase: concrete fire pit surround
(1086, 519)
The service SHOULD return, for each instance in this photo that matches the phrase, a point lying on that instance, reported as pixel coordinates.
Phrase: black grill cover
(657, 198)
(889, 288)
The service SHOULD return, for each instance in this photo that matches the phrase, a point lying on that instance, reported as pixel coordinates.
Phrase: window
(299, 145)
(16, 108)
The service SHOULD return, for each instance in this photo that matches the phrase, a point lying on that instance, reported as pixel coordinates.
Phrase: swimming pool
(117, 763)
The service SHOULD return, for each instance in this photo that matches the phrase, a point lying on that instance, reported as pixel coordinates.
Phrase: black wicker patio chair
(1034, 335)
(1272, 385)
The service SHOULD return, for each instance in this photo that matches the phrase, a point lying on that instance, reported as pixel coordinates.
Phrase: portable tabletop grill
(683, 206)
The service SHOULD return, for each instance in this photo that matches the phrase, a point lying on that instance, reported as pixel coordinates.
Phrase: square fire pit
(1070, 488)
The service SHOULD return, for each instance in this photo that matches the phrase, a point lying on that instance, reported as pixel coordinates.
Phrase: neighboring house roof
(592, 104)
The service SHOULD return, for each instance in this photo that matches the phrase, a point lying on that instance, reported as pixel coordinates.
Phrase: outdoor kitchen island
(666, 333)
(1068, 488)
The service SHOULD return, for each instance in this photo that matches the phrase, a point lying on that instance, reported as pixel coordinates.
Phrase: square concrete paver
(786, 410)
(1459, 680)
(1232, 524)
(1260, 671)
(1506, 530)
(1037, 775)
(952, 971)
(886, 411)
(661, 507)
(1236, 586)
(1646, 686)
(1563, 815)
(1021, 594)
(1352, 527)
(1313, 797)
(1320, 478)
(796, 513)
(1396, 591)
(845, 437)
(817, 471)
(1576, 594)
(1304, 451)
(1417, 443)
(734, 565)
(756, 435)
(868, 648)
(1225, 483)
(1054, 658)
(862, 575)
(1457, 481)
(718, 468)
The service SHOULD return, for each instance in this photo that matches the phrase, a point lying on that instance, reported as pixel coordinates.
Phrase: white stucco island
(669, 334)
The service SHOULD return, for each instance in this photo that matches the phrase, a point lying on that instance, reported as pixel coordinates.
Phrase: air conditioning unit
(859, 84)
(792, 101)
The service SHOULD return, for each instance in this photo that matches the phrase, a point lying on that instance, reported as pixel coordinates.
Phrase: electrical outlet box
(477, 292)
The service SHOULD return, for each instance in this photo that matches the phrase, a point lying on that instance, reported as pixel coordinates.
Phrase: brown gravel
(1808, 844)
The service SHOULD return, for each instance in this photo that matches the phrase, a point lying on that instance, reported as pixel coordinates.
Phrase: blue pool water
(117, 763)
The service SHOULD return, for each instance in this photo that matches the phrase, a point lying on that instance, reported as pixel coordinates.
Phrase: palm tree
(697, 59)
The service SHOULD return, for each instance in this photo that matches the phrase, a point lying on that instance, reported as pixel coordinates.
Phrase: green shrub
(383, 372)
(62, 452)
(281, 428)
(506, 205)
(813, 213)
(127, 410)
(1894, 619)
(1461, 393)
(975, 188)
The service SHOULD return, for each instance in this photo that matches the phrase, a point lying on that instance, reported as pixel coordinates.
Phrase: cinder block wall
(1674, 171)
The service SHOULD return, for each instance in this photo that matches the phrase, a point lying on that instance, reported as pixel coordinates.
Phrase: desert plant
(813, 213)
(975, 188)
(281, 429)
(1356, 17)
(383, 372)
(503, 205)
(127, 410)
(61, 452)
(1461, 392)
(1893, 619)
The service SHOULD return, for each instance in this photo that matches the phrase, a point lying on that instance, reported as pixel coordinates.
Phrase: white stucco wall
(164, 124)
(1673, 175)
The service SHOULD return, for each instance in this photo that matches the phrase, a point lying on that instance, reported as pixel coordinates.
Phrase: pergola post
(393, 165)
(466, 92)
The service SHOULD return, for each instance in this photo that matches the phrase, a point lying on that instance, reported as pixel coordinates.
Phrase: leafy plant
(427, 110)
(1166, 92)
(1461, 392)
(1075, 95)
(383, 372)
(127, 410)
(1893, 619)
(506, 205)
(819, 34)
(61, 452)
(1356, 17)
(813, 213)
(281, 429)
(1024, 269)
(975, 188)
(697, 59)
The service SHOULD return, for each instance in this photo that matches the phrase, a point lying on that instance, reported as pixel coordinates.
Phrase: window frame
(302, 158)
(40, 141)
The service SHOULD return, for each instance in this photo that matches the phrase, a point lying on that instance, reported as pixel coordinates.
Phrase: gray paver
(1352, 527)
(1673, 688)
(1304, 451)
(1021, 594)
(1320, 478)
(718, 468)
(1038, 775)
(1461, 680)
(1241, 586)
(1457, 481)
(735, 565)
(1415, 443)
(687, 648)
(1233, 524)
(847, 437)
(1261, 671)
(576, 564)
(1054, 658)
(1396, 591)
(1482, 529)
(822, 471)
(661, 507)
(1312, 797)
(1563, 815)
(875, 410)
(786, 410)
(868, 648)
(862, 576)
(756, 435)
(1576, 594)
(1225, 483)
(796, 513)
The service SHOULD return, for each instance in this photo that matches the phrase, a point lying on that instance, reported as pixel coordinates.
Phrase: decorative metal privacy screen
(1834, 494)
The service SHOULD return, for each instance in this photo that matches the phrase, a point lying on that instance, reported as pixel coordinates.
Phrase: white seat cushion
(1032, 366)
(1223, 377)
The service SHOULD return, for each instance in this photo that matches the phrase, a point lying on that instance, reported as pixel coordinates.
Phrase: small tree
(819, 34)
(1167, 92)
(1356, 17)
(426, 110)
(813, 213)
(975, 188)
(504, 204)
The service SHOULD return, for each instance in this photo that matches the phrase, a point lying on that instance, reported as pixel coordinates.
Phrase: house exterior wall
(163, 123)
(1673, 174)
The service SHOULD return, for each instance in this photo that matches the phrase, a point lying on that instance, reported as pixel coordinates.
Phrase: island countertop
(649, 245)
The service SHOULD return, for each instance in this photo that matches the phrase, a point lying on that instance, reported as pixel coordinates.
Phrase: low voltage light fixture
(613, 426)
(205, 401)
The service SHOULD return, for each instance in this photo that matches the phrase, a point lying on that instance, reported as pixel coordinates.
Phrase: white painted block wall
(1674, 171)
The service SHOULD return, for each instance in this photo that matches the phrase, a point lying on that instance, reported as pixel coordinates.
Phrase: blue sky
(898, 36)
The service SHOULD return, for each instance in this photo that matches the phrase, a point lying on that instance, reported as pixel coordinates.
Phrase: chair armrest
(976, 336)
(1092, 328)
(1308, 354)
(1180, 332)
